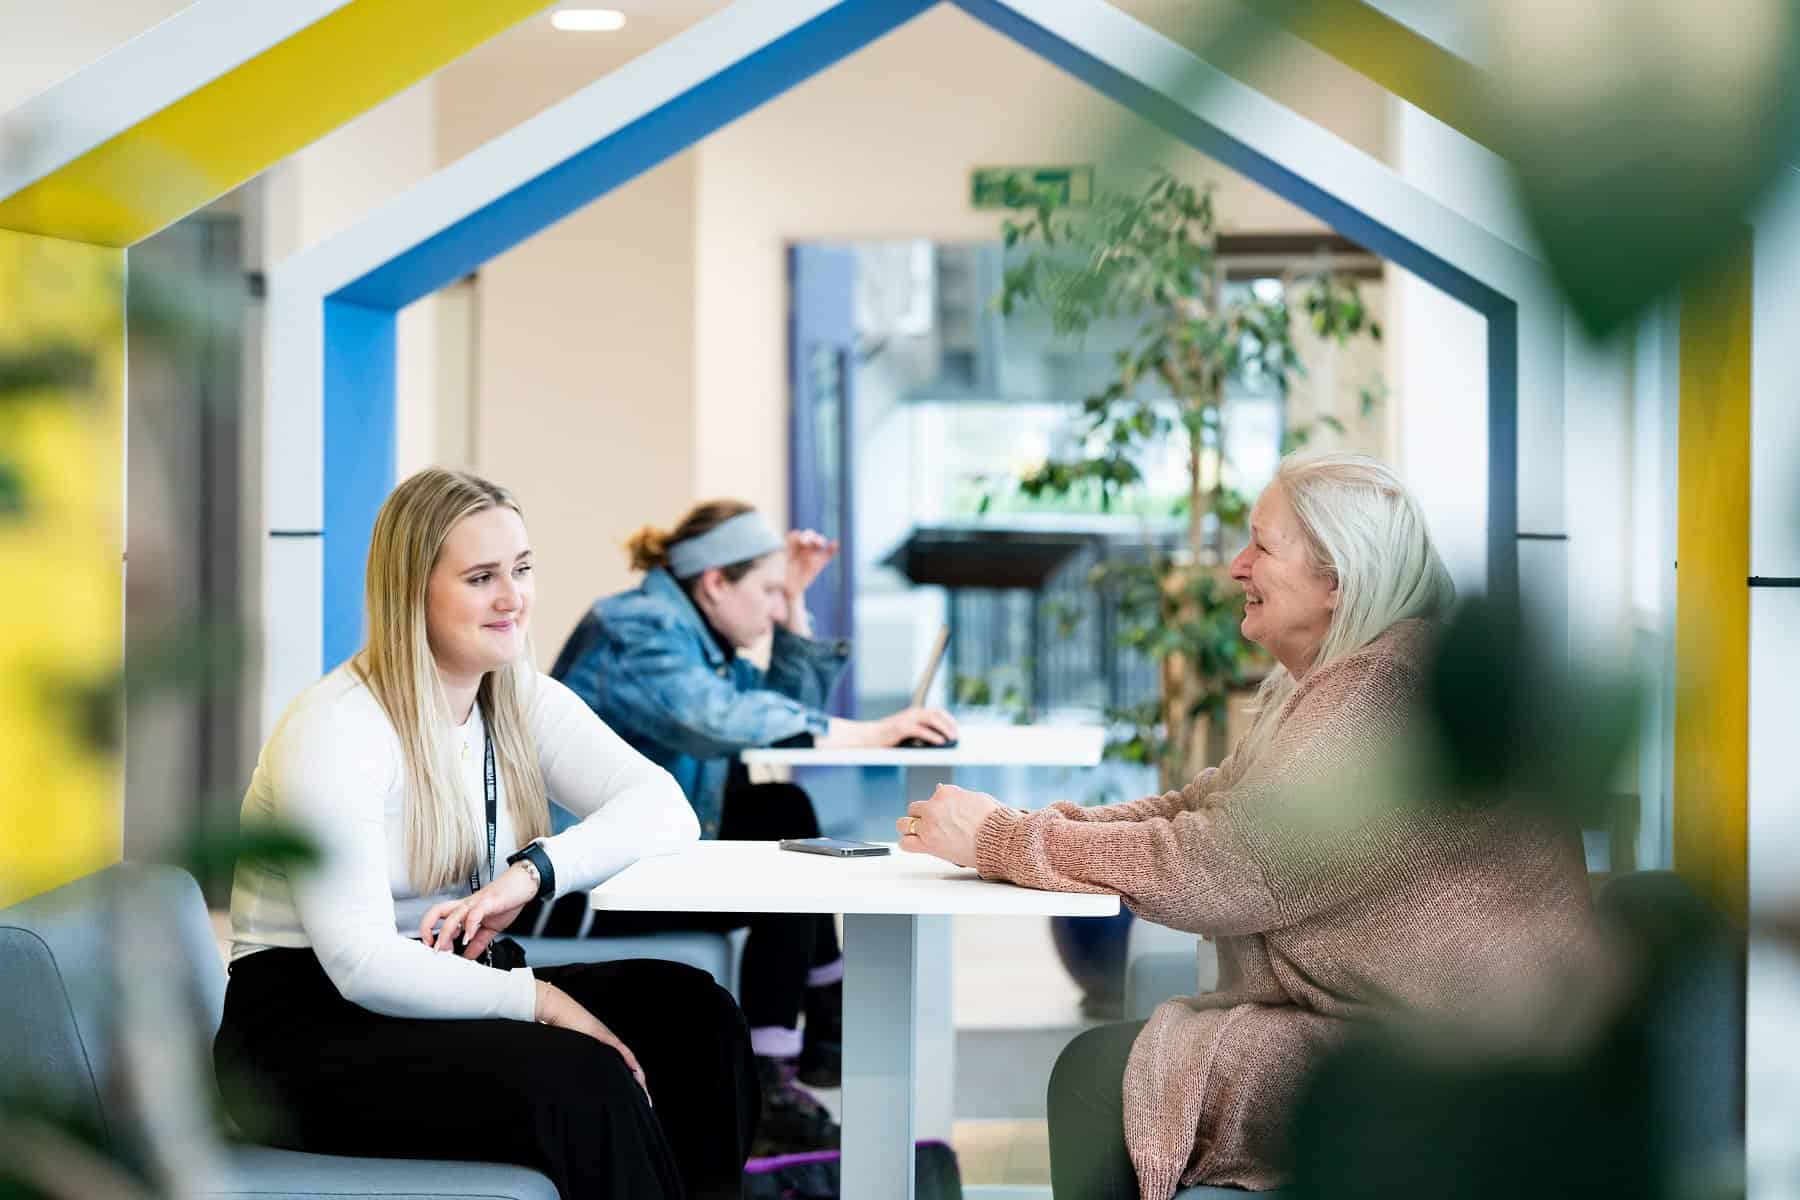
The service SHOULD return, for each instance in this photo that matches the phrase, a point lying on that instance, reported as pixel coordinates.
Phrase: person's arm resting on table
(1238, 860)
(630, 808)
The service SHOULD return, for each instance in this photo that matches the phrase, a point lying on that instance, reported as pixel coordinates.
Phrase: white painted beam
(1775, 384)
(166, 62)
(1774, 787)
(560, 132)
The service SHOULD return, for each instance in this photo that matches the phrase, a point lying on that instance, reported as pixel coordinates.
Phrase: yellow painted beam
(62, 322)
(221, 135)
(1373, 44)
(1712, 594)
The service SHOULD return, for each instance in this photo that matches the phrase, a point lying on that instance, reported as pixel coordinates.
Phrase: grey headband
(740, 539)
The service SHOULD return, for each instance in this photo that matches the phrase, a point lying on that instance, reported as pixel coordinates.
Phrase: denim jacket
(645, 661)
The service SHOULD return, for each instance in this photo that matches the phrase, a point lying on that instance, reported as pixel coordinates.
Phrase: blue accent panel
(677, 125)
(1503, 454)
(821, 433)
(359, 460)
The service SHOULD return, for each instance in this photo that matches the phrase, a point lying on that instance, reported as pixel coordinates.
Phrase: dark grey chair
(56, 957)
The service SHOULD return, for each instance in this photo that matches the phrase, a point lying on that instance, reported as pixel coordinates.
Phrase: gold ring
(914, 830)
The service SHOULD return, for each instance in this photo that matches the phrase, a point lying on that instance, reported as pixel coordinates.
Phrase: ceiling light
(588, 20)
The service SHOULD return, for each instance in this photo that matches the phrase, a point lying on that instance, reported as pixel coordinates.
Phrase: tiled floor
(1002, 1153)
(1007, 976)
(1015, 1005)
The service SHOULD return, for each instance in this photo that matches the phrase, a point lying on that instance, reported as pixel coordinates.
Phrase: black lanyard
(489, 786)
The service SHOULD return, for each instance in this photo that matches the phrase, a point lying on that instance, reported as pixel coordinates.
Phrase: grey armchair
(56, 953)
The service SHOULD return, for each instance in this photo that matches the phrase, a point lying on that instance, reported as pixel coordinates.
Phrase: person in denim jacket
(662, 665)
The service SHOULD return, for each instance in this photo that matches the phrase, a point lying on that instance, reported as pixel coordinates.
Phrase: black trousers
(1088, 1159)
(782, 948)
(301, 1067)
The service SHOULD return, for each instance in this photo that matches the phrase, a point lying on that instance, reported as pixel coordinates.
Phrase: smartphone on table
(834, 847)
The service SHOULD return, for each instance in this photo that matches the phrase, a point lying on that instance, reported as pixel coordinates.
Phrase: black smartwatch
(534, 857)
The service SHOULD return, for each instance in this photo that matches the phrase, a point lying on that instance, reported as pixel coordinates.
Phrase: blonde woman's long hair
(397, 666)
(1364, 530)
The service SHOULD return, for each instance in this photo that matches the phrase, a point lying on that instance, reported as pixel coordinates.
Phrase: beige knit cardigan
(1330, 898)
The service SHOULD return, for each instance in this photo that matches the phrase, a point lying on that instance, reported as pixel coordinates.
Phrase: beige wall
(585, 381)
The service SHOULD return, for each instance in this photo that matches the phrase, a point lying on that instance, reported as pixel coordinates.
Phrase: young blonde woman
(369, 1009)
(1330, 901)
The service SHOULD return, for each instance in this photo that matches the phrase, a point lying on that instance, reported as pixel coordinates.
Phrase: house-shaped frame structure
(332, 309)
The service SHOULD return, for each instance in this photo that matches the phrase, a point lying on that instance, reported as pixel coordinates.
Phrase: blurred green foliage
(1640, 136)
(1630, 1088)
(1002, 689)
(1510, 723)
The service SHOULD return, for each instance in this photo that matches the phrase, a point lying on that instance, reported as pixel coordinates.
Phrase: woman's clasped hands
(477, 920)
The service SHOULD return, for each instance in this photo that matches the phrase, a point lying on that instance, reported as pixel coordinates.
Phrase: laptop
(924, 689)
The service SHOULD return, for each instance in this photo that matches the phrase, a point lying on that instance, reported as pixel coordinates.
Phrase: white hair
(1363, 530)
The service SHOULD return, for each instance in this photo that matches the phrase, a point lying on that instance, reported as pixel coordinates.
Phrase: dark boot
(793, 1121)
(822, 1053)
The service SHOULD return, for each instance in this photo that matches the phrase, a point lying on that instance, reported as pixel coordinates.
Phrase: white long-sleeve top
(334, 768)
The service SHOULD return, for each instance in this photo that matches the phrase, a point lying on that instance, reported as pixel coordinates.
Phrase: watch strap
(535, 853)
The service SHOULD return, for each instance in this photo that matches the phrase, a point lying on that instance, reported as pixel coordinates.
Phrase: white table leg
(934, 1104)
(880, 964)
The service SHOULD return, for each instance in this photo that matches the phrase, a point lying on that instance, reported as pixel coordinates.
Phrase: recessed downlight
(588, 20)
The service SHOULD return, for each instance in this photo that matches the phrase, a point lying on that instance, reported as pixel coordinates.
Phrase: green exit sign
(1017, 187)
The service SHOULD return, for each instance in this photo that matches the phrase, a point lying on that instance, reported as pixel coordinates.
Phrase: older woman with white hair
(1333, 893)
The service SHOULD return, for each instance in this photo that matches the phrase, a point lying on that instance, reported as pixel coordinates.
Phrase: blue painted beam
(359, 460)
(1503, 454)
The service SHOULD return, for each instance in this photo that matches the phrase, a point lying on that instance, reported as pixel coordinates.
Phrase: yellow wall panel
(62, 318)
(1712, 593)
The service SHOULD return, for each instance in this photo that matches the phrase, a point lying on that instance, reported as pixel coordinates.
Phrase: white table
(923, 769)
(883, 901)
(978, 746)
